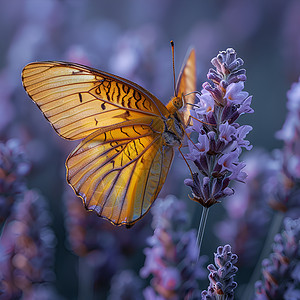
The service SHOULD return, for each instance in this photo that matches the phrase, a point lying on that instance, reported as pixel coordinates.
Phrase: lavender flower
(281, 270)
(126, 286)
(27, 248)
(101, 248)
(172, 257)
(284, 184)
(13, 167)
(43, 292)
(6, 105)
(221, 139)
(248, 215)
(221, 275)
(92, 240)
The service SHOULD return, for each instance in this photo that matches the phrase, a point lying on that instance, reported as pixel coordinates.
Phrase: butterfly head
(175, 104)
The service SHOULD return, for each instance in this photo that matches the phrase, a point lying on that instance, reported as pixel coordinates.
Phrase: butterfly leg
(188, 136)
(185, 160)
(191, 117)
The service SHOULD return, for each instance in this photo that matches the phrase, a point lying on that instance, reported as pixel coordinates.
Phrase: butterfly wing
(78, 100)
(186, 83)
(118, 171)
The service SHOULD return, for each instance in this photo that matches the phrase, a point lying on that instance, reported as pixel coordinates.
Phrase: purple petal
(245, 106)
(226, 132)
(234, 93)
(205, 104)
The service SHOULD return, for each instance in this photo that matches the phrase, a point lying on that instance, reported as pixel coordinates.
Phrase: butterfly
(128, 135)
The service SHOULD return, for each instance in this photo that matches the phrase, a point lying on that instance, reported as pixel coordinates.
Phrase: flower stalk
(202, 226)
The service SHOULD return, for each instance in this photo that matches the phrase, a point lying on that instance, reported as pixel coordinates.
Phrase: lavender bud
(221, 275)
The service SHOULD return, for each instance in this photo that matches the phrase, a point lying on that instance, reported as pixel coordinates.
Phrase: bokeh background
(131, 38)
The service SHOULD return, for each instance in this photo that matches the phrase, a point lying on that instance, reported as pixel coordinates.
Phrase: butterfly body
(173, 131)
(127, 135)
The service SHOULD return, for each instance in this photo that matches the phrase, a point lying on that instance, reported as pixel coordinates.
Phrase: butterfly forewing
(119, 171)
(78, 100)
(186, 83)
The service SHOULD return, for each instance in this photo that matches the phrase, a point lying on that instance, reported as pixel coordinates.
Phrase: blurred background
(131, 38)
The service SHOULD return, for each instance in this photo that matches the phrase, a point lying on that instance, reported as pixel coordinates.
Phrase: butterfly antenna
(195, 92)
(173, 62)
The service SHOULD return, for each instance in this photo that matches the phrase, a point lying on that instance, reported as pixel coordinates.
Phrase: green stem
(201, 228)
(200, 235)
(274, 229)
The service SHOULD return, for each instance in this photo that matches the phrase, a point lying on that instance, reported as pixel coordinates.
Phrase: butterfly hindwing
(119, 170)
(78, 100)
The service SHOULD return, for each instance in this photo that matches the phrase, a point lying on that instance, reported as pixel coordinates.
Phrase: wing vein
(123, 167)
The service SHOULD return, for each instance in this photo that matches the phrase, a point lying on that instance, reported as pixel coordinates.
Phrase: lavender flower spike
(281, 271)
(172, 258)
(221, 139)
(221, 276)
(125, 285)
(14, 165)
(284, 183)
(27, 249)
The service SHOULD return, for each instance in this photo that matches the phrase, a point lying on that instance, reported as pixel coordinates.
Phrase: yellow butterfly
(128, 135)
